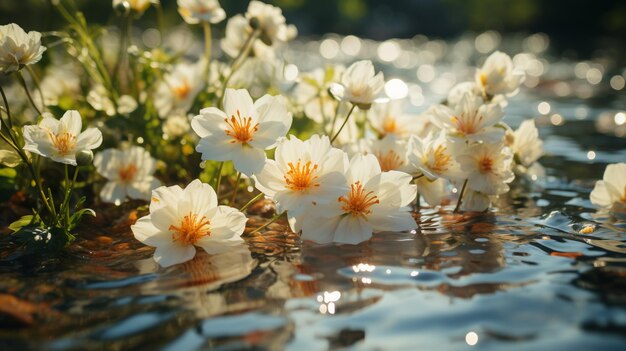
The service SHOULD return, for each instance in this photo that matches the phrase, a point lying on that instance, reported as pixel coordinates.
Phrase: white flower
(498, 76)
(61, 81)
(304, 173)
(196, 11)
(476, 201)
(525, 143)
(129, 173)
(470, 118)
(176, 125)
(243, 130)
(360, 85)
(433, 157)
(178, 89)
(238, 31)
(487, 168)
(390, 119)
(60, 140)
(312, 93)
(138, 6)
(180, 219)
(376, 202)
(458, 91)
(611, 190)
(270, 21)
(18, 48)
(391, 153)
(433, 191)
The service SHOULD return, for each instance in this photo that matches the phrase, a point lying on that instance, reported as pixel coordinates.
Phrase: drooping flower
(243, 130)
(487, 167)
(304, 174)
(269, 19)
(178, 89)
(360, 85)
(375, 202)
(470, 119)
(525, 143)
(238, 31)
(611, 190)
(498, 76)
(390, 119)
(196, 11)
(181, 219)
(129, 173)
(18, 48)
(60, 140)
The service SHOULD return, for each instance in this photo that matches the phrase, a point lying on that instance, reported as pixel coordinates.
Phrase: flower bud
(254, 23)
(84, 157)
(122, 8)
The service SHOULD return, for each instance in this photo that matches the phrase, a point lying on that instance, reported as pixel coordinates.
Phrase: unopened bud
(122, 8)
(266, 39)
(254, 23)
(84, 157)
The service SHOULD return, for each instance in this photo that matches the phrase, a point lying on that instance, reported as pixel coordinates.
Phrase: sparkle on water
(547, 270)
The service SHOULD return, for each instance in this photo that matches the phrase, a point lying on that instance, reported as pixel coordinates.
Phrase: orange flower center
(64, 142)
(301, 176)
(240, 129)
(467, 124)
(483, 79)
(441, 160)
(127, 173)
(389, 125)
(191, 229)
(182, 91)
(389, 161)
(485, 164)
(358, 201)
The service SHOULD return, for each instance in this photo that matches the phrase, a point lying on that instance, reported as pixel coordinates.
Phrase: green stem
(343, 124)
(274, 219)
(232, 201)
(37, 85)
(219, 180)
(207, 48)
(8, 110)
(64, 210)
(238, 61)
(20, 77)
(418, 177)
(249, 203)
(460, 201)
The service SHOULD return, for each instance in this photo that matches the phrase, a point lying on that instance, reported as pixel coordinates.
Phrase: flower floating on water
(487, 168)
(360, 85)
(243, 130)
(129, 173)
(470, 119)
(304, 174)
(60, 140)
(498, 76)
(611, 190)
(181, 219)
(18, 48)
(376, 201)
(525, 143)
(196, 11)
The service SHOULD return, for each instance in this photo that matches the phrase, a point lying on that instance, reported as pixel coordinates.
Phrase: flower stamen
(389, 161)
(191, 229)
(127, 173)
(182, 91)
(358, 201)
(240, 129)
(301, 176)
(485, 164)
(64, 142)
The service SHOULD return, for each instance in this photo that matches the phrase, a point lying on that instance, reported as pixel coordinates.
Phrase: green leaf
(22, 222)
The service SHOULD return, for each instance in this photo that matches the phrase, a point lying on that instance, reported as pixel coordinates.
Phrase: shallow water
(520, 277)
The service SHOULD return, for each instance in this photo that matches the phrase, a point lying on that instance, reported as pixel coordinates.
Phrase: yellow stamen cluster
(467, 124)
(389, 161)
(240, 129)
(127, 173)
(485, 164)
(358, 201)
(301, 176)
(191, 229)
(182, 91)
(64, 142)
(389, 125)
(442, 160)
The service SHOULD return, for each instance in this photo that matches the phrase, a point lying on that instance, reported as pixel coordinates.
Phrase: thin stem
(460, 201)
(219, 180)
(64, 210)
(274, 219)
(249, 203)
(418, 177)
(37, 85)
(232, 201)
(238, 61)
(343, 124)
(6, 107)
(207, 47)
(20, 77)
(332, 124)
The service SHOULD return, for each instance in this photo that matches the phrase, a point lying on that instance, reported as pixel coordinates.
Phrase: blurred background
(577, 28)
